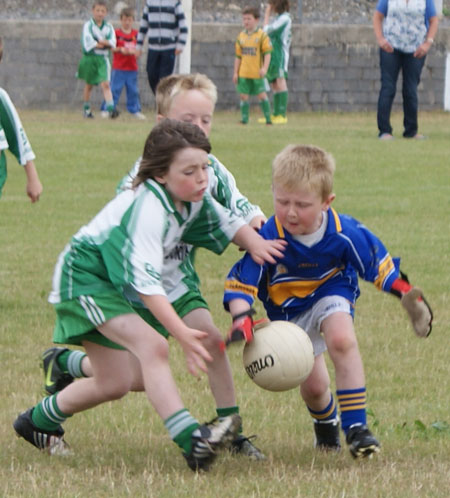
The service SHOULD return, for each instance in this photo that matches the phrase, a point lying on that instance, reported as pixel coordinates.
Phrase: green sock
(265, 106)
(46, 414)
(276, 104)
(181, 425)
(70, 362)
(245, 110)
(86, 106)
(110, 106)
(225, 412)
(283, 100)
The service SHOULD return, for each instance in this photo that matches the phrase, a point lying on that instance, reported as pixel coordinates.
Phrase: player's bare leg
(343, 348)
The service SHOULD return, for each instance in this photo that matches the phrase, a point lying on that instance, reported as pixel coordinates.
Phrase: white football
(280, 356)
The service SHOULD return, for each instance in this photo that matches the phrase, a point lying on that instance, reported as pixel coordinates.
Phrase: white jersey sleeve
(12, 134)
(223, 188)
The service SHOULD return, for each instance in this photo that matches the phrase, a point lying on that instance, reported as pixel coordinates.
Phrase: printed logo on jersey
(249, 50)
(155, 276)
(280, 270)
(179, 252)
(308, 265)
(244, 206)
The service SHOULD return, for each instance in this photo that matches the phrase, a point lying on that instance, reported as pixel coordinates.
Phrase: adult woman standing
(405, 31)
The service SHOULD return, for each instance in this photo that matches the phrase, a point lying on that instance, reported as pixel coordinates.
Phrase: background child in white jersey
(14, 138)
(97, 40)
(315, 285)
(189, 98)
(121, 252)
(277, 24)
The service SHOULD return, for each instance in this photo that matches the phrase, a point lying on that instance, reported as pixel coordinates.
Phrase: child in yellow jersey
(252, 49)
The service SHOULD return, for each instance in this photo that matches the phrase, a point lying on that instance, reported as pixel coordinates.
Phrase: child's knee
(315, 386)
(159, 351)
(214, 339)
(115, 388)
(341, 342)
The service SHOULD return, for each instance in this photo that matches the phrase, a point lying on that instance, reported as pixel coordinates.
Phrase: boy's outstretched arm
(189, 339)
(261, 250)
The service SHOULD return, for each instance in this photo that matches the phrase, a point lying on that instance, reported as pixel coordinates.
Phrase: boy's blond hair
(304, 167)
(171, 86)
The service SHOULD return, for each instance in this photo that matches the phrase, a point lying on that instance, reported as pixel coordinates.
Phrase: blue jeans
(160, 63)
(129, 80)
(390, 65)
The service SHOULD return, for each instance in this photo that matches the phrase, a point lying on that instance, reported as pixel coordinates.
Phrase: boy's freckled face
(249, 22)
(299, 211)
(99, 13)
(193, 106)
(187, 178)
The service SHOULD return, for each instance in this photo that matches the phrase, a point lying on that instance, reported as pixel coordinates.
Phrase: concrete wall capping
(332, 67)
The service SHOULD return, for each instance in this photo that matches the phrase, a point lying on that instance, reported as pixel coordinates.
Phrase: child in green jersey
(279, 30)
(97, 40)
(189, 98)
(121, 253)
(252, 58)
(14, 138)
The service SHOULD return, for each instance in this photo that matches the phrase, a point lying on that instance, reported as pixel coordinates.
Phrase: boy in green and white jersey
(97, 39)
(279, 31)
(123, 249)
(190, 98)
(14, 138)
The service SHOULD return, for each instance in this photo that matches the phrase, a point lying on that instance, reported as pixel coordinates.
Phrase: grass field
(400, 189)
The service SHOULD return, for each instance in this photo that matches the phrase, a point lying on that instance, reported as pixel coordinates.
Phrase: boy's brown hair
(165, 140)
(102, 3)
(280, 6)
(170, 86)
(127, 12)
(250, 10)
(304, 167)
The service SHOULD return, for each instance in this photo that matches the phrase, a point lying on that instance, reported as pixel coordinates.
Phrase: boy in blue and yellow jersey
(252, 50)
(315, 285)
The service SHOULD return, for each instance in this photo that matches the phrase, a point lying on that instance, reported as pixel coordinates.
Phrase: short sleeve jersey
(12, 136)
(222, 187)
(306, 274)
(125, 62)
(280, 33)
(92, 34)
(129, 245)
(251, 49)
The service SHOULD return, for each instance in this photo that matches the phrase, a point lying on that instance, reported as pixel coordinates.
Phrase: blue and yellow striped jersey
(306, 274)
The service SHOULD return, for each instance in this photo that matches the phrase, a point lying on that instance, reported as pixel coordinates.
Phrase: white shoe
(139, 115)
(104, 114)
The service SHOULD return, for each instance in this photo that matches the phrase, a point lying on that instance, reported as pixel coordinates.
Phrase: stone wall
(332, 67)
